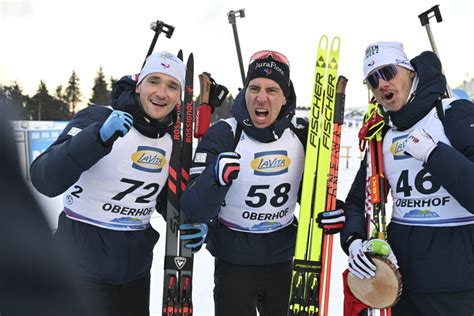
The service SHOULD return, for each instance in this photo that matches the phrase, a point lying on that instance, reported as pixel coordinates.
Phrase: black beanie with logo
(270, 69)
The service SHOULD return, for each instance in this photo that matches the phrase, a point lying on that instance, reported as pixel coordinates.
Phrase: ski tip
(190, 60)
(323, 42)
(336, 44)
(180, 54)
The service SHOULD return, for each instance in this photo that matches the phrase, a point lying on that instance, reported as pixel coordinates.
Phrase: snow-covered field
(204, 263)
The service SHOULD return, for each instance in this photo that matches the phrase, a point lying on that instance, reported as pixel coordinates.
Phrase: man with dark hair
(244, 182)
(111, 165)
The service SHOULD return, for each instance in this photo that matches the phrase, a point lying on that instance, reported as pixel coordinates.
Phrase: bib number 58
(258, 195)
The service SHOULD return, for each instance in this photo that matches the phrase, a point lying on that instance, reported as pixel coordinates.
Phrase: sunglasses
(387, 73)
(263, 54)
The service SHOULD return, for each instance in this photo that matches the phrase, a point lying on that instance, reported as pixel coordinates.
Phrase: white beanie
(384, 53)
(165, 63)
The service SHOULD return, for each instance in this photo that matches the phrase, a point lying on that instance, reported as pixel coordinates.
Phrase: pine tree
(44, 107)
(112, 81)
(100, 91)
(12, 99)
(73, 93)
(59, 92)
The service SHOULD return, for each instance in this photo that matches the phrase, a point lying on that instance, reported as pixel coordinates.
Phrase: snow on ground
(204, 262)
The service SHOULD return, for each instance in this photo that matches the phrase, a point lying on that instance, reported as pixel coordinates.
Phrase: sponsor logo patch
(397, 149)
(270, 163)
(200, 157)
(149, 159)
(420, 214)
(74, 131)
(179, 262)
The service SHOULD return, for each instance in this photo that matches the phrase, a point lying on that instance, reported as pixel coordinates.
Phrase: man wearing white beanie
(428, 158)
(111, 164)
(381, 61)
(165, 68)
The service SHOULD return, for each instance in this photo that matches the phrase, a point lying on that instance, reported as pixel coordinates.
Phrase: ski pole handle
(425, 21)
(231, 15)
(203, 110)
(158, 27)
(425, 16)
(340, 100)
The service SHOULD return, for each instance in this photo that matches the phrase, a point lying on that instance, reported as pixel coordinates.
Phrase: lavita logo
(397, 148)
(270, 163)
(149, 159)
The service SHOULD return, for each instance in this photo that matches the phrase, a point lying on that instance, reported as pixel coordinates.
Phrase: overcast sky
(47, 39)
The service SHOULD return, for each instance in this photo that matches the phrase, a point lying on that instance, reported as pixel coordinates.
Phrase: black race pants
(435, 304)
(131, 299)
(239, 290)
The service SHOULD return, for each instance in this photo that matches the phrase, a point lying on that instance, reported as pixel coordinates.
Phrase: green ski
(307, 266)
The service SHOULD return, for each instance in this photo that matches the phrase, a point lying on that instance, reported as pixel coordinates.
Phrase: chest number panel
(135, 184)
(424, 183)
(259, 197)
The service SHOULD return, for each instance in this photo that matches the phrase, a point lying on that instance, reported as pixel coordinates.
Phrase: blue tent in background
(460, 94)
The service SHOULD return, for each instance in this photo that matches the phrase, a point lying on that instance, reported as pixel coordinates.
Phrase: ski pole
(211, 96)
(425, 21)
(332, 192)
(158, 27)
(231, 15)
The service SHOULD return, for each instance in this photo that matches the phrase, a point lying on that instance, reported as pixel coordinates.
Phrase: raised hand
(117, 125)
(419, 144)
(227, 168)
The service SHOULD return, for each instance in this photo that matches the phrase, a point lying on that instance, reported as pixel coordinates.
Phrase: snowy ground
(204, 263)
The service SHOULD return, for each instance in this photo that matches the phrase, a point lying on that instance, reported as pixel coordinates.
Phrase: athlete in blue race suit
(428, 155)
(244, 181)
(111, 165)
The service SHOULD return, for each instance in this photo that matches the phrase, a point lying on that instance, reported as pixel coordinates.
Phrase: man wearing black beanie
(244, 183)
(272, 69)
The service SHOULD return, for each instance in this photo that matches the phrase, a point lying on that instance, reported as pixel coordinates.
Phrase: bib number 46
(424, 183)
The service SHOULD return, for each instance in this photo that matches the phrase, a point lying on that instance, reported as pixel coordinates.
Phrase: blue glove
(332, 221)
(117, 125)
(195, 234)
(227, 168)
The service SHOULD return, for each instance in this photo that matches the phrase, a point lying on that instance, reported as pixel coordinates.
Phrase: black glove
(332, 221)
(227, 168)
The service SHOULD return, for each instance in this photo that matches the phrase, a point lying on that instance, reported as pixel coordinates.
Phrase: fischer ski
(178, 265)
(308, 265)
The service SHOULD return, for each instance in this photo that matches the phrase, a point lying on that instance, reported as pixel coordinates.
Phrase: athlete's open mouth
(261, 112)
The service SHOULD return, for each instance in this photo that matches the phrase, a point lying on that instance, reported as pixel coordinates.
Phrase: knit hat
(384, 53)
(272, 69)
(166, 63)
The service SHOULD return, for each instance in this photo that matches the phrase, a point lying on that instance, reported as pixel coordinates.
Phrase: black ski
(178, 264)
(185, 306)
